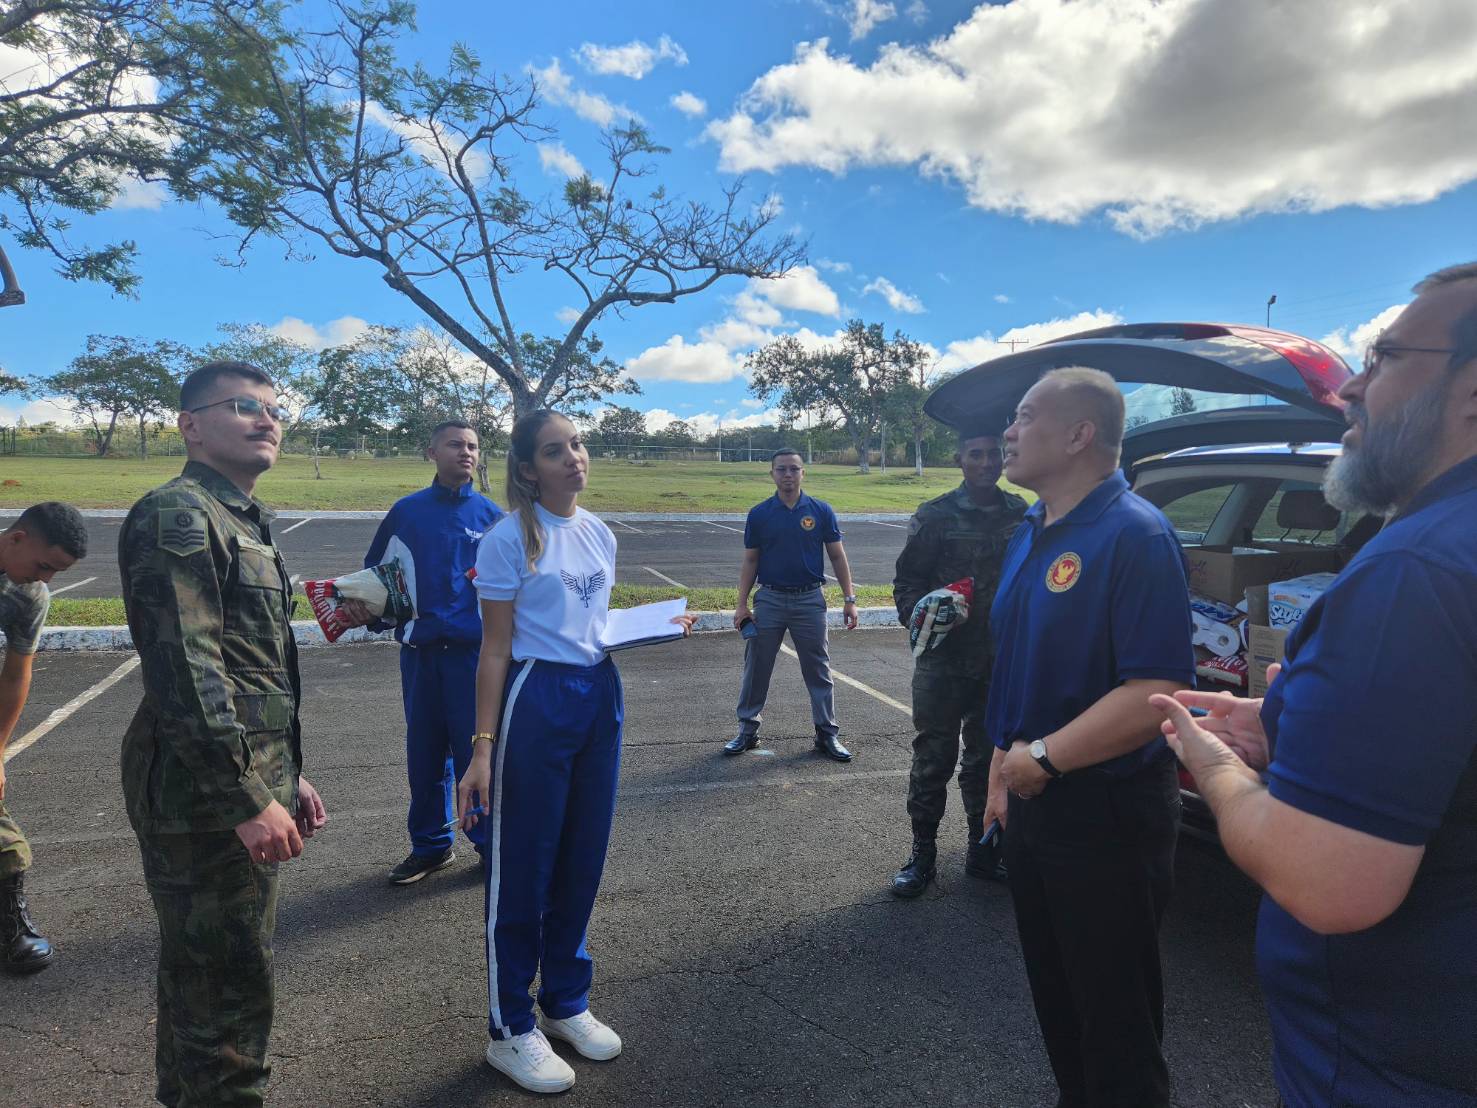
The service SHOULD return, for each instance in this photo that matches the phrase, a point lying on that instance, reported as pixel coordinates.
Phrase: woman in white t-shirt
(546, 754)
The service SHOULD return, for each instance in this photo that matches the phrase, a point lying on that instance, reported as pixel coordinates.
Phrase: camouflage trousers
(948, 701)
(217, 910)
(15, 852)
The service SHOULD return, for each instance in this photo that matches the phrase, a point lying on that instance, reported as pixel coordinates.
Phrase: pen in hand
(452, 825)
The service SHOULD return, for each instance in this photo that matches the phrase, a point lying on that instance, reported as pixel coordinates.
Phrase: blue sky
(968, 173)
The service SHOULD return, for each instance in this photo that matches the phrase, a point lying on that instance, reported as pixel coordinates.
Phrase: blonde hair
(521, 492)
(1097, 396)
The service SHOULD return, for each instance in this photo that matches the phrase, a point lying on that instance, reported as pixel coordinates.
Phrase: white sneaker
(530, 1061)
(585, 1033)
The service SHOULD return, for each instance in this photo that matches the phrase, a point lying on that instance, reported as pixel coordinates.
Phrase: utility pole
(720, 440)
(1013, 343)
(1270, 301)
(884, 446)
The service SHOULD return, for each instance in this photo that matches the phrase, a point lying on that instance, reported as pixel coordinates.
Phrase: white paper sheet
(639, 626)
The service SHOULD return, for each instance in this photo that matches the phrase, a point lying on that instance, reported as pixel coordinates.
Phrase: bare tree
(331, 142)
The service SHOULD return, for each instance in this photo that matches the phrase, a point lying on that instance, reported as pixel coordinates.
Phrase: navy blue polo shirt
(791, 541)
(1374, 726)
(1098, 598)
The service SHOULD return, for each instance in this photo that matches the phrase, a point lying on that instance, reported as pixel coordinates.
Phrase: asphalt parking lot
(694, 553)
(745, 945)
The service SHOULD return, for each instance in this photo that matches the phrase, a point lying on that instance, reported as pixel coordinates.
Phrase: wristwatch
(848, 600)
(1037, 750)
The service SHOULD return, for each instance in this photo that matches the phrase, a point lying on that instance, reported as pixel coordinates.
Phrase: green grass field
(375, 484)
(108, 611)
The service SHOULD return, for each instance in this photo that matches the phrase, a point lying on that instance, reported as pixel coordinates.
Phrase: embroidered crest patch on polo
(182, 530)
(1064, 572)
(807, 523)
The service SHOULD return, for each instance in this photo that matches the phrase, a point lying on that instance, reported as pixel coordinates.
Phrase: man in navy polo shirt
(784, 540)
(1091, 617)
(434, 533)
(1365, 834)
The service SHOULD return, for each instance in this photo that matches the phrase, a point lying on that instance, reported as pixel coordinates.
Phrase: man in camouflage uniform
(211, 760)
(47, 539)
(960, 534)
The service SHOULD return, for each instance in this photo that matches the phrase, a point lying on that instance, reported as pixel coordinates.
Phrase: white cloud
(897, 299)
(557, 88)
(736, 334)
(750, 402)
(800, 290)
(1188, 112)
(1351, 342)
(137, 195)
(679, 360)
(832, 266)
(427, 141)
(1001, 298)
(634, 59)
(44, 410)
(694, 107)
(336, 332)
(966, 353)
(867, 14)
(556, 159)
(917, 11)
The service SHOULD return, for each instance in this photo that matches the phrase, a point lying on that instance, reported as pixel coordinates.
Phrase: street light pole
(1270, 301)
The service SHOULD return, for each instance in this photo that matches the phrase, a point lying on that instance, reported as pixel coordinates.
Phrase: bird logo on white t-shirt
(582, 586)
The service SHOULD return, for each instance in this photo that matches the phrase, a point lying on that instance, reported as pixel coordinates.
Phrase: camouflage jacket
(209, 603)
(951, 537)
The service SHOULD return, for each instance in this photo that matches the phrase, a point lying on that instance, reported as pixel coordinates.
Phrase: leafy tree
(117, 377)
(677, 433)
(293, 367)
(357, 383)
(325, 138)
(1181, 402)
(620, 426)
(11, 384)
(854, 378)
(99, 108)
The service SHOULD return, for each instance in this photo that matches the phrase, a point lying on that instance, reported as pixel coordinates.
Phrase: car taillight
(1322, 371)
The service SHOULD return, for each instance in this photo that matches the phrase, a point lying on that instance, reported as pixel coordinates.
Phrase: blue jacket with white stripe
(435, 533)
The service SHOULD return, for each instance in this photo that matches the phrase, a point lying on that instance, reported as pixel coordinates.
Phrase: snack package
(382, 587)
(1231, 670)
(937, 612)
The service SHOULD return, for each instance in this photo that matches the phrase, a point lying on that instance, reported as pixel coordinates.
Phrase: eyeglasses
(248, 408)
(1375, 352)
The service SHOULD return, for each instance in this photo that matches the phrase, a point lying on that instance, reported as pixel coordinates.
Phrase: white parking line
(60, 716)
(294, 579)
(73, 585)
(854, 683)
(664, 577)
(724, 526)
(295, 526)
(899, 526)
(628, 527)
(828, 577)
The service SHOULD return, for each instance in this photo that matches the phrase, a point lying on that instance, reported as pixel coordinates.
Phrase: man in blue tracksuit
(434, 533)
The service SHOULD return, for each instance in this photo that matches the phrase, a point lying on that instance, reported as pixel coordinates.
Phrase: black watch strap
(1045, 763)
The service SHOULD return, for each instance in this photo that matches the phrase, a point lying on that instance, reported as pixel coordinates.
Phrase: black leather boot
(24, 949)
(919, 870)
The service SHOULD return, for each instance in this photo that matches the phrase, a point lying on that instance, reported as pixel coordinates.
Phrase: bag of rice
(382, 587)
(938, 611)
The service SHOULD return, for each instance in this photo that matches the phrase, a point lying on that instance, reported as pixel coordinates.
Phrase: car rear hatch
(1290, 383)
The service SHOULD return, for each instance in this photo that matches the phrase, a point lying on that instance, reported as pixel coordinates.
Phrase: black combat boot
(24, 949)
(919, 870)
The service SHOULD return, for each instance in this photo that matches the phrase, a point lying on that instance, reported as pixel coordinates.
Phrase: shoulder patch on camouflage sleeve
(182, 530)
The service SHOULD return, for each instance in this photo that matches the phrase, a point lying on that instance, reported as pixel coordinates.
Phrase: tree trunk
(918, 456)
(143, 438)
(862, 445)
(317, 471)
(482, 485)
(105, 438)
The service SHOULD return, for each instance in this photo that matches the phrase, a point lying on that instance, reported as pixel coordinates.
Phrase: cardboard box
(1224, 573)
(1264, 648)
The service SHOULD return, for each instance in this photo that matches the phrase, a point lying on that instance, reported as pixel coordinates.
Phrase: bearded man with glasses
(212, 760)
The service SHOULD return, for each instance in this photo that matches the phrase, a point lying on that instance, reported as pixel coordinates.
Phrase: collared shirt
(791, 541)
(23, 613)
(1373, 723)
(434, 534)
(216, 738)
(1098, 598)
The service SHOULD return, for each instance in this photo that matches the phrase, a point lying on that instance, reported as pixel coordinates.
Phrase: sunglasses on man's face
(248, 408)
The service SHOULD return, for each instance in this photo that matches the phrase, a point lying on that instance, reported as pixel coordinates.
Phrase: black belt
(793, 589)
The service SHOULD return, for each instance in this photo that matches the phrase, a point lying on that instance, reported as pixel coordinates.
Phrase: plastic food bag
(937, 612)
(382, 587)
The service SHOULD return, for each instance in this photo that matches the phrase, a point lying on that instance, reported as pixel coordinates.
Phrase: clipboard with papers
(642, 625)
